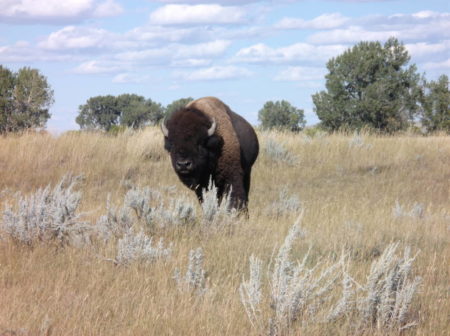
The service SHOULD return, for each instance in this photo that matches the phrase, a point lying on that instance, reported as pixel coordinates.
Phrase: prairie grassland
(359, 194)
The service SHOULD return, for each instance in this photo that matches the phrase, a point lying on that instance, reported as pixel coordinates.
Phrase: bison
(209, 142)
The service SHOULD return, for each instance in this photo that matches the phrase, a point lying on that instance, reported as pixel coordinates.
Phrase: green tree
(370, 85)
(6, 95)
(281, 115)
(100, 112)
(25, 99)
(436, 105)
(177, 104)
(130, 110)
(136, 111)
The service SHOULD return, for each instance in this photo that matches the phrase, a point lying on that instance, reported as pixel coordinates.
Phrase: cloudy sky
(244, 52)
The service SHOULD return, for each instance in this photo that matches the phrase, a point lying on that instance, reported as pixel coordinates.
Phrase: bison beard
(208, 142)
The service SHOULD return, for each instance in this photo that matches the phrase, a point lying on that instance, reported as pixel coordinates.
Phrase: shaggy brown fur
(229, 164)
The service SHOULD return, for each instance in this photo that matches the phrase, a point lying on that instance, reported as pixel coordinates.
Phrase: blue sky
(244, 52)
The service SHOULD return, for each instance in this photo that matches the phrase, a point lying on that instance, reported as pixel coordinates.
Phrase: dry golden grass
(348, 186)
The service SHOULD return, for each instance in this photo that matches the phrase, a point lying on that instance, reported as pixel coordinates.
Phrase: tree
(436, 105)
(370, 85)
(156, 112)
(281, 115)
(177, 104)
(6, 95)
(25, 99)
(100, 112)
(131, 110)
(137, 112)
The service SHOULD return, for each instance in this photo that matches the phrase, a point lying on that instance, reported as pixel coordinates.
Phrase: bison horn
(164, 128)
(212, 129)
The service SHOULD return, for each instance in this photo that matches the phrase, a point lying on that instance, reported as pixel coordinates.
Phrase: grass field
(359, 194)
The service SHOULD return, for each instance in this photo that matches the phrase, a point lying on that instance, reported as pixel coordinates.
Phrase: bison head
(189, 137)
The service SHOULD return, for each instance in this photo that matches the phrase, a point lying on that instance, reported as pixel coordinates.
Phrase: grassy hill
(359, 194)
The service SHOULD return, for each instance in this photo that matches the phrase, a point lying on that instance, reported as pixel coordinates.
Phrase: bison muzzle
(209, 142)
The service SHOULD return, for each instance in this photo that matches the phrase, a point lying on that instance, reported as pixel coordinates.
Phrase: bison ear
(214, 143)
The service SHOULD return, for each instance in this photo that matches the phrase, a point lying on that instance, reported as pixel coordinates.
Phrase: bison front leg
(199, 192)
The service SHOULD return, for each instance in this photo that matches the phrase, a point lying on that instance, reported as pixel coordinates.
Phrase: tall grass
(364, 196)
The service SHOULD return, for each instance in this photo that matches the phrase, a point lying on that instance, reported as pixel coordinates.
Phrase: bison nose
(184, 164)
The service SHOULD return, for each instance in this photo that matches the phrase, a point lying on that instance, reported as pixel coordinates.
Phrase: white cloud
(402, 20)
(222, 2)
(95, 67)
(108, 8)
(424, 49)
(123, 78)
(208, 49)
(366, 0)
(298, 52)
(324, 21)
(48, 8)
(190, 62)
(24, 52)
(155, 34)
(239, 2)
(72, 37)
(427, 25)
(176, 52)
(430, 14)
(55, 11)
(138, 39)
(300, 73)
(443, 66)
(425, 21)
(214, 73)
(191, 42)
(197, 14)
(18, 52)
(144, 56)
(349, 35)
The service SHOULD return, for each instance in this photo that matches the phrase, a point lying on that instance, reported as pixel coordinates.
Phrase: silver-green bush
(139, 247)
(195, 276)
(299, 294)
(47, 215)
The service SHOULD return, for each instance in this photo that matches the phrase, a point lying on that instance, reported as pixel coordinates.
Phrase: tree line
(130, 110)
(371, 85)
